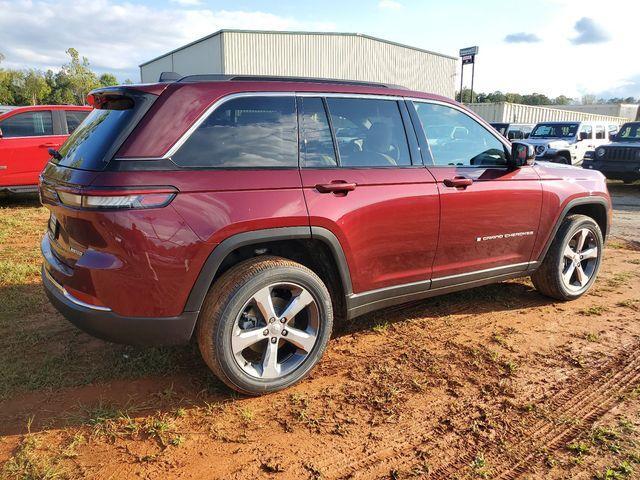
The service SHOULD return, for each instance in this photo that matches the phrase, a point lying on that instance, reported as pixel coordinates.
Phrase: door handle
(337, 186)
(458, 182)
(44, 145)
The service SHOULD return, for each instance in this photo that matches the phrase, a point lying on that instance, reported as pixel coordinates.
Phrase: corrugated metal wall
(339, 56)
(351, 57)
(517, 113)
(203, 56)
(625, 110)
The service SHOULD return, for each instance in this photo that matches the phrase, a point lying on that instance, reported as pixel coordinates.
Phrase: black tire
(548, 277)
(226, 301)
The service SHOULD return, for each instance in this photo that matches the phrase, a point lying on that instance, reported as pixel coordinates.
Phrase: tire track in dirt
(582, 401)
(575, 410)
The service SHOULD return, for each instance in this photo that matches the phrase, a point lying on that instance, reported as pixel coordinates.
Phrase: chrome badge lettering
(503, 235)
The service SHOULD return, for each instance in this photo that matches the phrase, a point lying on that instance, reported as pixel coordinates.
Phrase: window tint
(245, 132)
(316, 143)
(28, 124)
(457, 139)
(74, 118)
(600, 131)
(370, 133)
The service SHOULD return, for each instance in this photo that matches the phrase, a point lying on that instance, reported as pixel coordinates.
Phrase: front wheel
(572, 262)
(265, 324)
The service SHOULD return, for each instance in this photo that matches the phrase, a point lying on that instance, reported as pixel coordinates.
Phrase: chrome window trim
(218, 103)
(186, 135)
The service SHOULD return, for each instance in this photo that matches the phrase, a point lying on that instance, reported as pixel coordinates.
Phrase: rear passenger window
(245, 132)
(28, 124)
(74, 118)
(600, 132)
(316, 142)
(369, 132)
(457, 139)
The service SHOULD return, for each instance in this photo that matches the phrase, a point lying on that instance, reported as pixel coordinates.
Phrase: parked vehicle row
(514, 131)
(251, 212)
(26, 135)
(620, 159)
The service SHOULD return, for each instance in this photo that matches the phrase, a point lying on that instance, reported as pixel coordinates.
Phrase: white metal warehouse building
(517, 113)
(345, 56)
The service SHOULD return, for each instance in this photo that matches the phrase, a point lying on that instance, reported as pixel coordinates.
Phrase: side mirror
(522, 154)
(584, 136)
(613, 137)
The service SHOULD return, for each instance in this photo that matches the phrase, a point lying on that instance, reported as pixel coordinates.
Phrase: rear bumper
(103, 323)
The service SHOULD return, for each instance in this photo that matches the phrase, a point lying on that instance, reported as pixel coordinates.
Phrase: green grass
(595, 310)
(621, 471)
(29, 463)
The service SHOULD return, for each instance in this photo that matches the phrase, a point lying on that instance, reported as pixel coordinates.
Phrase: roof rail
(268, 78)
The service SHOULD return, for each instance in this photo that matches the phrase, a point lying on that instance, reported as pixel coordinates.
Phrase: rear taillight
(97, 199)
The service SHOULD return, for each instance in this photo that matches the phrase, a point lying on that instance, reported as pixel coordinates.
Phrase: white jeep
(567, 142)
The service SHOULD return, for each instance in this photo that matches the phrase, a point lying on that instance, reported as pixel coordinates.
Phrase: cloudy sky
(570, 47)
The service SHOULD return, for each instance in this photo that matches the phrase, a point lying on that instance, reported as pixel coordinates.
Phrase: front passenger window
(457, 139)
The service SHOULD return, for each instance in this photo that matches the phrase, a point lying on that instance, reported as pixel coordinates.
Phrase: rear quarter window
(246, 132)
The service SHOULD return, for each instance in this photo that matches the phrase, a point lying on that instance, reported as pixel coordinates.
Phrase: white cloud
(389, 4)
(187, 3)
(116, 36)
(557, 66)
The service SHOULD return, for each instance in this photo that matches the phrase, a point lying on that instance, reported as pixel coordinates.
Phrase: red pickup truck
(26, 135)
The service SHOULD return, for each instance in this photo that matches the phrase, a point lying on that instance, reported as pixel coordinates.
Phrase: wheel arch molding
(211, 266)
(581, 205)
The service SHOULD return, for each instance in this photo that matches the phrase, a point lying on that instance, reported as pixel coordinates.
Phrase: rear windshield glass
(87, 145)
(94, 142)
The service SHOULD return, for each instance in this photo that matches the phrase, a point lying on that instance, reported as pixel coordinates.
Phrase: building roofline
(285, 32)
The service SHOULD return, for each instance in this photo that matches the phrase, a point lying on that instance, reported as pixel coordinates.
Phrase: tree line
(537, 98)
(69, 85)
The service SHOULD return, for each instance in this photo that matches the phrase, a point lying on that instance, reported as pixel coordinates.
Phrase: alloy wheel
(580, 259)
(275, 331)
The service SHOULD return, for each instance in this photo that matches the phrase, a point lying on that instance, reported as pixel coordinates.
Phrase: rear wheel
(572, 262)
(265, 324)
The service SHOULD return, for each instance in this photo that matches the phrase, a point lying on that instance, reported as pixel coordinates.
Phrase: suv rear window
(246, 132)
(96, 140)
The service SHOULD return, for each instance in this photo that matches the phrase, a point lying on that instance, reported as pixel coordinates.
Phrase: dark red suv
(251, 212)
